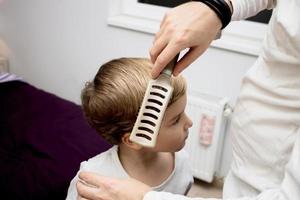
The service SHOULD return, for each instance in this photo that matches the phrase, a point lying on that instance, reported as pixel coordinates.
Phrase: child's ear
(130, 144)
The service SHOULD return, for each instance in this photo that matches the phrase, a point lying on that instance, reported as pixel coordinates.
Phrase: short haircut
(111, 101)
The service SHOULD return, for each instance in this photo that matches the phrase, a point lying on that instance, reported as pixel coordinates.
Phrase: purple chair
(43, 139)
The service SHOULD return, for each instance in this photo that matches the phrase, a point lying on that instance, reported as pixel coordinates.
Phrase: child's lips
(187, 135)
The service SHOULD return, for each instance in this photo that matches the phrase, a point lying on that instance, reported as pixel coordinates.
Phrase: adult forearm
(243, 9)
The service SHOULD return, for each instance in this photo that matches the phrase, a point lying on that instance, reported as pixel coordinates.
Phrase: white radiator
(205, 141)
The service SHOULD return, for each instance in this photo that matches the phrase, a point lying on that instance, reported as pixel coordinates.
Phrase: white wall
(57, 45)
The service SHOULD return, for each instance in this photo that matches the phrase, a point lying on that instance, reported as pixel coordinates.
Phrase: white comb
(153, 107)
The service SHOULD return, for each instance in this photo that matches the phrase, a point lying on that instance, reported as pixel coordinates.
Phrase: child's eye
(177, 120)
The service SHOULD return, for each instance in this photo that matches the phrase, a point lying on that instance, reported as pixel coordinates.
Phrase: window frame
(239, 36)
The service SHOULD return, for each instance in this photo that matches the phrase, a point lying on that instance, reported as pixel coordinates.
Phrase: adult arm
(289, 189)
(130, 189)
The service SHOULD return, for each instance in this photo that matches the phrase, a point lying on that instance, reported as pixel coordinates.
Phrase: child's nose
(189, 122)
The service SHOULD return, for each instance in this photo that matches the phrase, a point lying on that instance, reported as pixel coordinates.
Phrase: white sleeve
(153, 195)
(243, 9)
(72, 190)
(288, 190)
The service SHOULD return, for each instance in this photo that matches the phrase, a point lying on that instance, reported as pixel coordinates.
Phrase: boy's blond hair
(111, 101)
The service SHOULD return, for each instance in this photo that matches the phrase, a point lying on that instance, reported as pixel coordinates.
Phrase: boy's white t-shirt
(108, 164)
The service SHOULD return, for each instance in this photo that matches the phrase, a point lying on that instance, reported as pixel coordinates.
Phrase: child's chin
(181, 147)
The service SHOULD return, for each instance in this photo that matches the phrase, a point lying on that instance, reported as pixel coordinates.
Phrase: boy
(111, 104)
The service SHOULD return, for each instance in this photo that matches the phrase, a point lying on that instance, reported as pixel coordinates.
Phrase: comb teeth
(154, 104)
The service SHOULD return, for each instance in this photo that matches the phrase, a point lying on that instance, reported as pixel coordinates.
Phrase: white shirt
(265, 128)
(108, 164)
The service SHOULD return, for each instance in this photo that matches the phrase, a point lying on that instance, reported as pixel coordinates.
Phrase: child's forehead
(176, 108)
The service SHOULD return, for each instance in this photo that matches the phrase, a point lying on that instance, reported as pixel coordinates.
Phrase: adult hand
(191, 25)
(95, 187)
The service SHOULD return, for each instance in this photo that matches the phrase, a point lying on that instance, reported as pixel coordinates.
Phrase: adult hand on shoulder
(191, 25)
(95, 187)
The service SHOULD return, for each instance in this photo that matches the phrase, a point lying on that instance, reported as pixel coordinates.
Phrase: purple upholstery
(43, 139)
